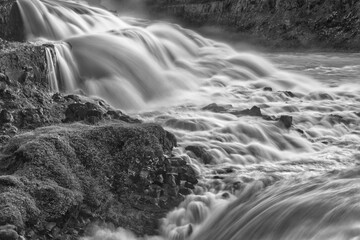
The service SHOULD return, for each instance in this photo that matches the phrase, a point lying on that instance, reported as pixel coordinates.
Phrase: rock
(289, 94)
(32, 118)
(11, 24)
(201, 153)
(117, 114)
(8, 129)
(185, 191)
(79, 112)
(272, 23)
(4, 139)
(6, 117)
(213, 107)
(269, 89)
(286, 121)
(57, 97)
(113, 171)
(254, 111)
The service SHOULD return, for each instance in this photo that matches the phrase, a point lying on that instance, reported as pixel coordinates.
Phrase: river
(274, 137)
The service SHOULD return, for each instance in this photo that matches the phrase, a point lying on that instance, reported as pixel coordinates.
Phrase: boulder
(64, 177)
(201, 153)
(286, 121)
(213, 107)
(254, 112)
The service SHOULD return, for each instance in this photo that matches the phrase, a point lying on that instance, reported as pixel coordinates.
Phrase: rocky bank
(278, 24)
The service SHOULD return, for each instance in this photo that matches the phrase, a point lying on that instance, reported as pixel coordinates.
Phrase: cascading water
(259, 179)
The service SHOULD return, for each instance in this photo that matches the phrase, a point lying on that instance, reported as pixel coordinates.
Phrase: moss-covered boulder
(55, 181)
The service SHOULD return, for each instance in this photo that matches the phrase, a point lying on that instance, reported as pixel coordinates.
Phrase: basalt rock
(57, 180)
(274, 23)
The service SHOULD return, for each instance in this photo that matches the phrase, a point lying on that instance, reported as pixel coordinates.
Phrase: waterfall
(259, 179)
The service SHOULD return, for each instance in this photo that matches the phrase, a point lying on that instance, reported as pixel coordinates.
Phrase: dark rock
(4, 139)
(200, 152)
(72, 97)
(31, 118)
(117, 114)
(57, 97)
(189, 185)
(8, 129)
(272, 23)
(11, 24)
(213, 107)
(269, 89)
(185, 191)
(112, 171)
(289, 94)
(79, 112)
(6, 117)
(254, 111)
(286, 121)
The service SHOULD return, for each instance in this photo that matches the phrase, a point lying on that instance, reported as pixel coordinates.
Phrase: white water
(297, 183)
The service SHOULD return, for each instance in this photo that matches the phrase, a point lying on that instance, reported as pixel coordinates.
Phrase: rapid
(276, 135)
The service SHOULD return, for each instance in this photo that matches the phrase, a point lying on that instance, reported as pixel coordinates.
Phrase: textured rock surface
(65, 177)
(11, 25)
(274, 23)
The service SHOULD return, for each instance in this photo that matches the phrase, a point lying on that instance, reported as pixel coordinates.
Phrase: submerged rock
(213, 107)
(200, 152)
(286, 121)
(254, 111)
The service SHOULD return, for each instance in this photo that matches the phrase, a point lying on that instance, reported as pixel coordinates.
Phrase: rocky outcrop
(11, 25)
(59, 179)
(274, 23)
(68, 161)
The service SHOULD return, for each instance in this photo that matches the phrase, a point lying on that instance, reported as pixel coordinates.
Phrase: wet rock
(72, 97)
(185, 191)
(117, 172)
(289, 94)
(4, 139)
(286, 121)
(31, 118)
(6, 117)
(200, 152)
(79, 112)
(254, 111)
(8, 129)
(57, 97)
(213, 107)
(11, 25)
(119, 115)
(268, 89)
